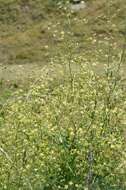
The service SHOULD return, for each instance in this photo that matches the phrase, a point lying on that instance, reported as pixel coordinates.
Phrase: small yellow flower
(46, 47)
(70, 183)
(62, 33)
(66, 187)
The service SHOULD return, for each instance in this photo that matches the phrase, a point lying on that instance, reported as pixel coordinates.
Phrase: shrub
(66, 132)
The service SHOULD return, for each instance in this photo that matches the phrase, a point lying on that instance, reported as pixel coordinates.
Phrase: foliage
(66, 132)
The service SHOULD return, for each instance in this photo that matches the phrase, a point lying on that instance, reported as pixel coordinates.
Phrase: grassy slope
(30, 30)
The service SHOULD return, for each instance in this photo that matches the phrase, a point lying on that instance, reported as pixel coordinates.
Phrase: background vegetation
(62, 109)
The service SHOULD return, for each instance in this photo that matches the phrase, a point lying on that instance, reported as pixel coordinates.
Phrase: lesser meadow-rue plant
(65, 133)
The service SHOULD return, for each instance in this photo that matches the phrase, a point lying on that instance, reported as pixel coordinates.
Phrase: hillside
(62, 95)
(30, 29)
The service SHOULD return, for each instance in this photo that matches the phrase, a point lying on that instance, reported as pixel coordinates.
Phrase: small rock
(75, 1)
(77, 5)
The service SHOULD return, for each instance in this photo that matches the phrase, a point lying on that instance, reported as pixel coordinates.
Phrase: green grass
(62, 96)
(28, 36)
(29, 31)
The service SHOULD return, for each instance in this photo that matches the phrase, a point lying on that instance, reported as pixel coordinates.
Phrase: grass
(29, 31)
(62, 103)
